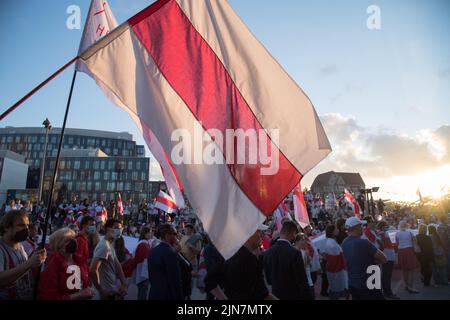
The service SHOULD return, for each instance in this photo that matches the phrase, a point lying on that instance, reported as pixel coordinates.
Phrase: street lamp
(47, 125)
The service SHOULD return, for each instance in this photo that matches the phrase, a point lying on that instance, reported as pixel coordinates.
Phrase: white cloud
(381, 154)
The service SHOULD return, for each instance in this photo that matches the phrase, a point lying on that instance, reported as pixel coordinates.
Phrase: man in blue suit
(163, 268)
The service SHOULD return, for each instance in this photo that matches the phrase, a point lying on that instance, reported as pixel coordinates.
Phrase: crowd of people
(87, 257)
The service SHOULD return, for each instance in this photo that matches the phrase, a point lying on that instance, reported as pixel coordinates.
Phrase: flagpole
(55, 175)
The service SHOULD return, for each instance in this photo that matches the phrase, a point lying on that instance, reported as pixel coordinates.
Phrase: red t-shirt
(53, 284)
(83, 247)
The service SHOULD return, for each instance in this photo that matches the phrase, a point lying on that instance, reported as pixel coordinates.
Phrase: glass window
(106, 175)
(68, 164)
(96, 175)
(119, 186)
(76, 165)
(17, 139)
(113, 175)
(102, 164)
(70, 140)
(134, 177)
(69, 186)
(127, 186)
(53, 139)
(143, 176)
(34, 139)
(89, 186)
(62, 164)
(98, 186)
(130, 165)
(86, 164)
(138, 165)
(112, 165)
(96, 165)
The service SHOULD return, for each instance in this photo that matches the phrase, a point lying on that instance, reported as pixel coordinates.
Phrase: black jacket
(285, 271)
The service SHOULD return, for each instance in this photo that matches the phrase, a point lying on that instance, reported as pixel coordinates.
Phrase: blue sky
(392, 82)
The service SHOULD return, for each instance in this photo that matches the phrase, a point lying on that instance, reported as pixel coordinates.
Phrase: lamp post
(47, 125)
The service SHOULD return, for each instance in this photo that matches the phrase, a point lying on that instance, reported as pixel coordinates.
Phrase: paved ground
(426, 293)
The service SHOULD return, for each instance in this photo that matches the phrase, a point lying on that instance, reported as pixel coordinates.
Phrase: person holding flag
(352, 202)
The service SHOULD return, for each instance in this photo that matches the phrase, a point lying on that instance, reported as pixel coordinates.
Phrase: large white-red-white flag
(99, 23)
(349, 197)
(165, 203)
(300, 210)
(179, 63)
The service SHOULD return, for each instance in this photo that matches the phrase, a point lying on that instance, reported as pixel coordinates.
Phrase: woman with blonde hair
(407, 259)
(66, 276)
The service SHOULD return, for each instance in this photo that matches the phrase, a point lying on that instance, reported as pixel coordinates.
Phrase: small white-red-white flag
(300, 211)
(349, 197)
(165, 203)
(119, 204)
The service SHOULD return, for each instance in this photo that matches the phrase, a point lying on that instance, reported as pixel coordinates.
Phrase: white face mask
(117, 233)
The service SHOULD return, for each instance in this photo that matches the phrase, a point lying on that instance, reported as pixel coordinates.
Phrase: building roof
(12, 155)
(348, 177)
(68, 131)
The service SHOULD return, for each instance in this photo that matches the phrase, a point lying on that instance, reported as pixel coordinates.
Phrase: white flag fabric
(351, 200)
(179, 63)
(165, 203)
(119, 204)
(99, 23)
(300, 210)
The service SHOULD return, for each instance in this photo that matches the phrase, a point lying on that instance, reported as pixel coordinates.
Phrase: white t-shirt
(404, 239)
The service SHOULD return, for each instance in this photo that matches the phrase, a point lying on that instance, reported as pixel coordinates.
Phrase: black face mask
(21, 235)
(72, 246)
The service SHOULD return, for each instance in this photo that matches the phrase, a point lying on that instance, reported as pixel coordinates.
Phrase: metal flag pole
(55, 176)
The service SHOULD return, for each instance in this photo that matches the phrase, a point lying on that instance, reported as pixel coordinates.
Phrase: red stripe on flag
(200, 79)
(167, 202)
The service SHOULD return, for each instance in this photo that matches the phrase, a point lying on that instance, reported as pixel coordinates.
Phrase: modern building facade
(94, 164)
(336, 182)
(13, 173)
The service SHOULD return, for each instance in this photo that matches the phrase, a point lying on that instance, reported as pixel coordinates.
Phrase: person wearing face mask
(16, 280)
(66, 276)
(30, 244)
(284, 266)
(105, 268)
(87, 227)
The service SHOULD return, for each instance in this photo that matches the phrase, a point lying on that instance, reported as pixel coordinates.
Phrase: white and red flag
(350, 199)
(179, 63)
(100, 22)
(119, 204)
(165, 202)
(300, 211)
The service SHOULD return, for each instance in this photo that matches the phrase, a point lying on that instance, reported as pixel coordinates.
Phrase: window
(138, 165)
(143, 176)
(98, 186)
(112, 165)
(69, 186)
(76, 165)
(70, 140)
(138, 186)
(106, 175)
(86, 164)
(102, 165)
(134, 176)
(89, 186)
(62, 164)
(96, 175)
(9, 139)
(34, 139)
(96, 165)
(114, 175)
(53, 139)
(127, 186)
(68, 164)
(119, 186)
(17, 139)
(130, 165)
